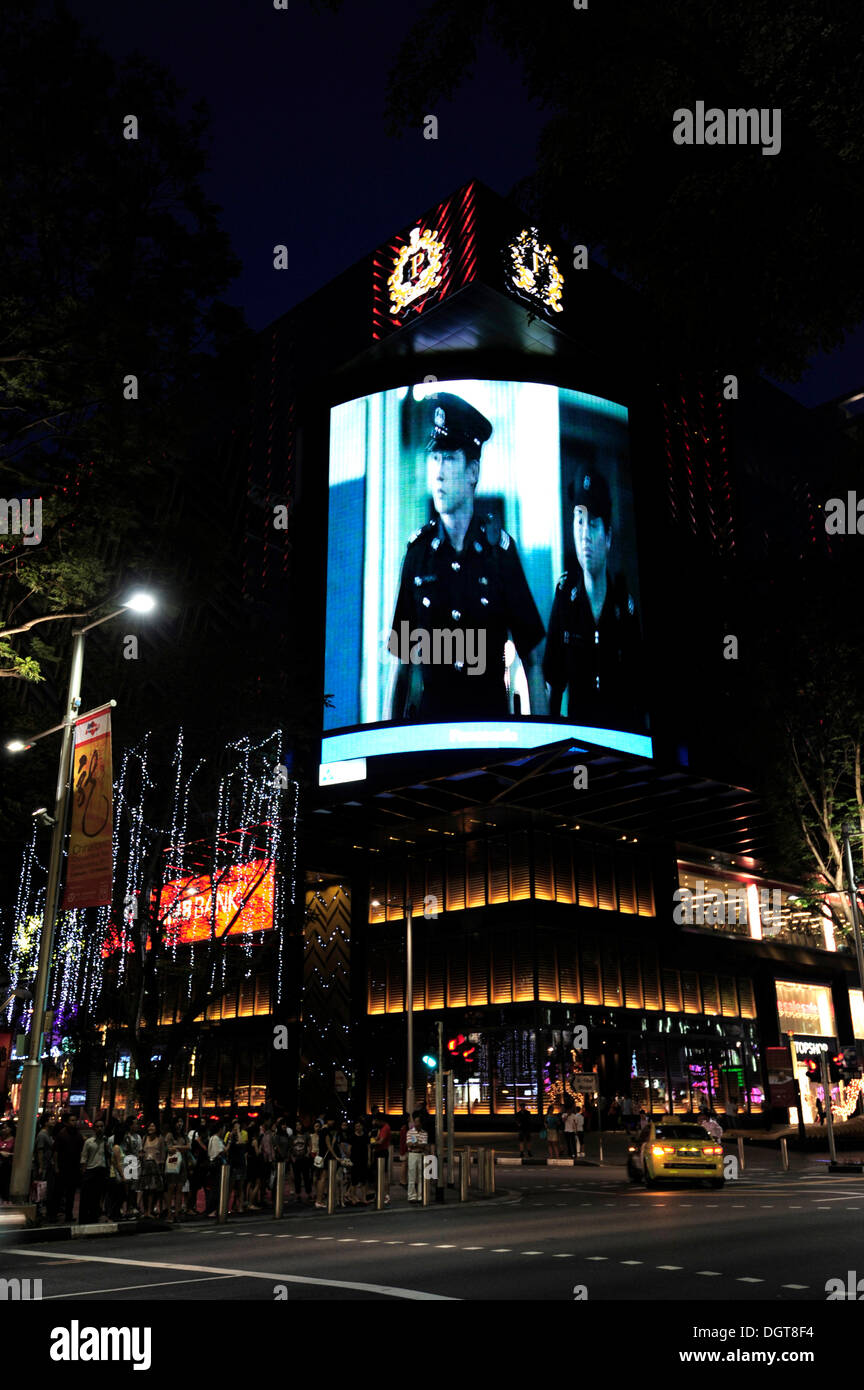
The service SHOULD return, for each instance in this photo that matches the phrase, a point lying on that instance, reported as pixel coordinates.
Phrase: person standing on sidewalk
(115, 1192)
(216, 1161)
(418, 1145)
(7, 1150)
(570, 1131)
(44, 1155)
(68, 1143)
(267, 1158)
(552, 1132)
(524, 1124)
(199, 1167)
(579, 1123)
(95, 1159)
(152, 1167)
(329, 1151)
(381, 1154)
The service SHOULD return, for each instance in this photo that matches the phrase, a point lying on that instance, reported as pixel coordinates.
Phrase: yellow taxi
(672, 1150)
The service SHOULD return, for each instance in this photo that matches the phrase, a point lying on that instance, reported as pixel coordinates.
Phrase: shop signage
(584, 1081)
(417, 268)
(534, 271)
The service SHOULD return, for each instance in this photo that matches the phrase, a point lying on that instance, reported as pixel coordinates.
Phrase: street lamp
(848, 832)
(31, 1076)
(407, 908)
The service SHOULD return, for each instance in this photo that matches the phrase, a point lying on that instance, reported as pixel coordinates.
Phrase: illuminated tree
(115, 966)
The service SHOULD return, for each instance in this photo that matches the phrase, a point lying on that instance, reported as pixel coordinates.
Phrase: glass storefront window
(805, 1009)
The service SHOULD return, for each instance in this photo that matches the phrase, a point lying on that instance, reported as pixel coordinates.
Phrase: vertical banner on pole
(90, 863)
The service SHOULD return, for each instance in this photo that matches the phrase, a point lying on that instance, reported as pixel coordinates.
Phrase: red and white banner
(90, 863)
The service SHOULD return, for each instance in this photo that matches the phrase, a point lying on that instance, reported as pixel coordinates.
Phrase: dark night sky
(299, 153)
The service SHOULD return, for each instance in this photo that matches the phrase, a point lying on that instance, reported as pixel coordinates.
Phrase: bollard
(600, 1136)
(279, 1189)
(224, 1189)
(483, 1171)
(332, 1178)
(491, 1172)
(740, 1154)
(464, 1173)
(784, 1154)
(379, 1185)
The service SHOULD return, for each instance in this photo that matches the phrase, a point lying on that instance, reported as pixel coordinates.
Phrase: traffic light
(429, 1061)
(462, 1055)
(847, 1060)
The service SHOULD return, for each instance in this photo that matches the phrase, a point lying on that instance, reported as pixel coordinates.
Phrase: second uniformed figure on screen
(593, 645)
(463, 591)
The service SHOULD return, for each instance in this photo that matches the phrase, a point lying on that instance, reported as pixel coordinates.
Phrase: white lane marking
(710, 1273)
(445, 1247)
(502, 1250)
(532, 1252)
(473, 1247)
(124, 1288)
(346, 1240)
(596, 1257)
(794, 1286)
(372, 1240)
(670, 1266)
(630, 1262)
(273, 1276)
(418, 1242)
(745, 1279)
(563, 1257)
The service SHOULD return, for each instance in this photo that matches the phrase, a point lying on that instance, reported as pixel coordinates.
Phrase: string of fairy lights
(256, 818)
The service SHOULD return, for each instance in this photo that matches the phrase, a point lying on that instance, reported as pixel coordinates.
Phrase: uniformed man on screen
(463, 591)
(593, 644)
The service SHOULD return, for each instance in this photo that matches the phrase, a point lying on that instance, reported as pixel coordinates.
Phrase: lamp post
(31, 1077)
(848, 831)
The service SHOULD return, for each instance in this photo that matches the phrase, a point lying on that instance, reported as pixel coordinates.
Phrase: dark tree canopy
(112, 263)
(752, 259)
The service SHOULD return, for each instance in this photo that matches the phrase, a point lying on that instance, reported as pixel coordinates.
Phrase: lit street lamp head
(140, 603)
(16, 745)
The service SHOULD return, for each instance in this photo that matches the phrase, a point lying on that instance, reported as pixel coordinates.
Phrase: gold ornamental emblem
(534, 270)
(416, 270)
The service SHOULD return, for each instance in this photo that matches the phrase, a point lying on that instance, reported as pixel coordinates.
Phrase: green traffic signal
(429, 1061)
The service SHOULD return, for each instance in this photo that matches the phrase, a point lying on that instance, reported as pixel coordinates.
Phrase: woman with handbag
(152, 1167)
(177, 1146)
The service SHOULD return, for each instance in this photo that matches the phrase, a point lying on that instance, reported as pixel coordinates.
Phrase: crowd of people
(125, 1169)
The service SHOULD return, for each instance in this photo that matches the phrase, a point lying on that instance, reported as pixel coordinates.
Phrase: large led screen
(482, 580)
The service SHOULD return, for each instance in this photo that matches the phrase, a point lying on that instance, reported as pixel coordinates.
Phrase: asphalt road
(769, 1237)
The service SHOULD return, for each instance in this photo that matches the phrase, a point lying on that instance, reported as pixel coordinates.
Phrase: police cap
(591, 491)
(454, 424)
